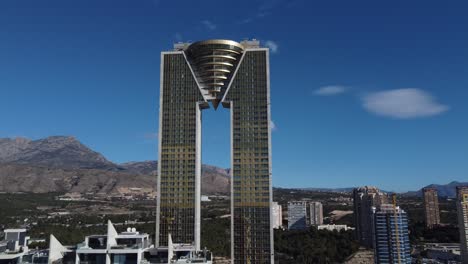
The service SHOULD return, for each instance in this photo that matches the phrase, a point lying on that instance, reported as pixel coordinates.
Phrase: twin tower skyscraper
(235, 75)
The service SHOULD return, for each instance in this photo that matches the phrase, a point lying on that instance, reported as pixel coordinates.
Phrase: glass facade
(391, 238)
(179, 162)
(297, 216)
(178, 153)
(251, 197)
(364, 199)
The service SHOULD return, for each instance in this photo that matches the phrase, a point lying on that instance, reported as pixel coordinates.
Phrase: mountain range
(64, 164)
(443, 190)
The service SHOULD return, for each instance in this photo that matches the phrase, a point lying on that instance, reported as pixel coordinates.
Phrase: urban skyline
(173, 126)
(103, 54)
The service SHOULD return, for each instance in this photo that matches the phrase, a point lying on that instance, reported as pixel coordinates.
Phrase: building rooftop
(214, 63)
(12, 230)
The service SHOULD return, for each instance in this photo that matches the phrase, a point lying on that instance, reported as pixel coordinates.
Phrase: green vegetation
(215, 236)
(314, 246)
(38, 213)
(446, 233)
(15, 207)
(442, 234)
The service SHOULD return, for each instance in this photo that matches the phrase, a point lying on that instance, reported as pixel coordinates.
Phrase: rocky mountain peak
(54, 151)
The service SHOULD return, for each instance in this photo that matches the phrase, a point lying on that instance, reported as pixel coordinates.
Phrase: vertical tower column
(179, 165)
(251, 198)
(462, 211)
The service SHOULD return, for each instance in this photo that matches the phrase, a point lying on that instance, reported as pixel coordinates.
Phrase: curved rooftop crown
(214, 62)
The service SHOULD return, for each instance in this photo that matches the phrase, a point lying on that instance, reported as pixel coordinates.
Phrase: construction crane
(397, 229)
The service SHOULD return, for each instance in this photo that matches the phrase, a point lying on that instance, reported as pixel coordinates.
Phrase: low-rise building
(334, 227)
(443, 252)
(130, 247)
(14, 246)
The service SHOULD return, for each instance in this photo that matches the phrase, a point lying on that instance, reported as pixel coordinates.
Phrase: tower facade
(316, 213)
(277, 214)
(462, 210)
(235, 75)
(364, 199)
(297, 215)
(431, 207)
(392, 244)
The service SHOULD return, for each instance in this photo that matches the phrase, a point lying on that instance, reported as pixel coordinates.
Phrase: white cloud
(273, 126)
(209, 25)
(269, 4)
(403, 103)
(273, 46)
(330, 90)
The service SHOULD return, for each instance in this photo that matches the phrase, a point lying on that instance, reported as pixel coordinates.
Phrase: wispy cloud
(151, 136)
(403, 103)
(268, 4)
(209, 25)
(273, 126)
(245, 20)
(264, 9)
(330, 90)
(273, 46)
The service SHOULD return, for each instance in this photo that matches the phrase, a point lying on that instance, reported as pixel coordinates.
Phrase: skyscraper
(462, 210)
(237, 76)
(431, 207)
(297, 215)
(316, 213)
(390, 226)
(364, 199)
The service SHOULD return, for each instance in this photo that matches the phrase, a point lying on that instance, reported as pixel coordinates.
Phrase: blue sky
(363, 92)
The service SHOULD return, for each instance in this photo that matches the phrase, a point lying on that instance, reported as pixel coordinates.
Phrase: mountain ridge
(64, 164)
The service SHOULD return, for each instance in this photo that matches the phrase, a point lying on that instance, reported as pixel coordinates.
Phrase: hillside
(443, 190)
(63, 164)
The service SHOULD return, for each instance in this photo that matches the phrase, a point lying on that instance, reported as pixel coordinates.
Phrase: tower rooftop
(214, 62)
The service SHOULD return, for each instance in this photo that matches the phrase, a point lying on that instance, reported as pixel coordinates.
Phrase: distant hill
(443, 190)
(63, 164)
(55, 152)
(446, 190)
(337, 190)
(214, 179)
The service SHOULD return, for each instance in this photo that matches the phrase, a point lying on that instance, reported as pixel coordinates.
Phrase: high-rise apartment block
(277, 214)
(364, 199)
(316, 213)
(462, 210)
(235, 75)
(303, 214)
(431, 207)
(297, 215)
(391, 243)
